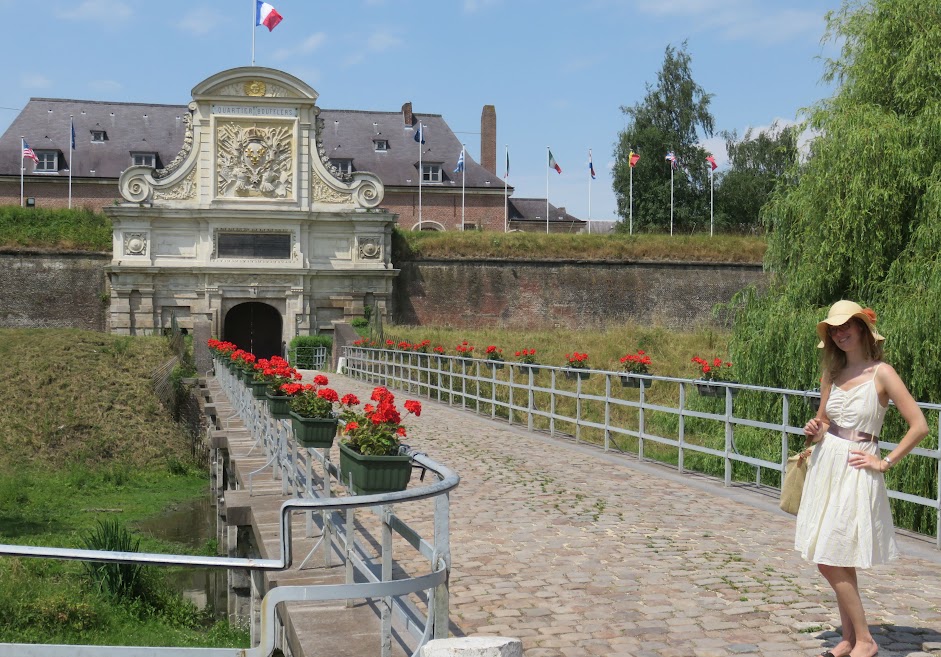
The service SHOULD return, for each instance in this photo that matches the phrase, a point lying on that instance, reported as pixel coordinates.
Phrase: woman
(845, 522)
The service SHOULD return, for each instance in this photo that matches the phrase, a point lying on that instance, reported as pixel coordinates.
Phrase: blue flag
(420, 133)
(591, 167)
(73, 135)
(460, 163)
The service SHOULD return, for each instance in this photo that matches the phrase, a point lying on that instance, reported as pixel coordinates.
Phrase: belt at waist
(851, 434)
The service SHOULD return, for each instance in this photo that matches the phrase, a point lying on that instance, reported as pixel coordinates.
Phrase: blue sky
(557, 72)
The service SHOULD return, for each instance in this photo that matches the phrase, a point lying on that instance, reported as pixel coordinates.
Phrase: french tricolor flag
(266, 15)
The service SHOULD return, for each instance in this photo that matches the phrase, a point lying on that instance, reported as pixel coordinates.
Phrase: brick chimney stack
(488, 139)
(407, 118)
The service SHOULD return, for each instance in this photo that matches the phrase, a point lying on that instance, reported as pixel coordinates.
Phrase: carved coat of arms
(254, 161)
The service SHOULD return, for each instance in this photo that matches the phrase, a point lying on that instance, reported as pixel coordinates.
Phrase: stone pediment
(252, 139)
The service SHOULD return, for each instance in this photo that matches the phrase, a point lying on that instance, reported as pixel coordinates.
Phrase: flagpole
(421, 170)
(463, 178)
(631, 226)
(671, 198)
(547, 189)
(590, 167)
(712, 190)
(254, 9)
(506, 190)
(22, 166)
(71, 132)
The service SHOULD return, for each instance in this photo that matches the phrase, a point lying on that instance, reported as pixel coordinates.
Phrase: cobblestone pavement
(578, 552)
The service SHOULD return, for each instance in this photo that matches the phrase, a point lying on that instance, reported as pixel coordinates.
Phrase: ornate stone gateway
(249, 215)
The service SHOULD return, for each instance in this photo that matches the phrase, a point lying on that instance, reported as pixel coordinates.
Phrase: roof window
(99, 136)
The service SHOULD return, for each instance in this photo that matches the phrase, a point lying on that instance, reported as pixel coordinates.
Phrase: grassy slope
(84, 438)
(537, 246)
(80, 230)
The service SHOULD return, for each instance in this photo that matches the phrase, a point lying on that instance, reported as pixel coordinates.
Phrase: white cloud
(200, 20)
(106, 86)
(35, 81)
(472, 6)
(383, 40)
(740, 20)
(305, 47)
(105, 11)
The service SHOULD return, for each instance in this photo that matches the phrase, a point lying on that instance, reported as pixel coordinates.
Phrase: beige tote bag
(793, 486)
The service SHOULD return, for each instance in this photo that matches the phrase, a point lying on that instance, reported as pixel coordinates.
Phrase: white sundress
(844, 517)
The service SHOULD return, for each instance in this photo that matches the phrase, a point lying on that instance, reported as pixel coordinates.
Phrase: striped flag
(553, 164)
(712, 162)
(591, 166)
(633, 159)
(266, 15)
(460, 163)
(28, 152)
(671, 158)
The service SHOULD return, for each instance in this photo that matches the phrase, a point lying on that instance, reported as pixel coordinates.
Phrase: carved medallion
(255, 88)
(370, 248)
(254, 161)
(135, 244)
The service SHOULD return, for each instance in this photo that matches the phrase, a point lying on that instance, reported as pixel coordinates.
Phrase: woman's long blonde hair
(833, 359)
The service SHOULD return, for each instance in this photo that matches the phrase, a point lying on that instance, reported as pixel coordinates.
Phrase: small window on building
(431, 173)
(381, 144)
(99, 136)
(144, 159)
(344, 166)
(48, 161)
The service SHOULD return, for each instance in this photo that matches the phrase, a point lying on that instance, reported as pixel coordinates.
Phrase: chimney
(488, 139)
(407, 115)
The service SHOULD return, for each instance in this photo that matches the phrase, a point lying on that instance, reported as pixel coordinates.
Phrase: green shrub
(301, 350)
(121, 580)
(359, 322)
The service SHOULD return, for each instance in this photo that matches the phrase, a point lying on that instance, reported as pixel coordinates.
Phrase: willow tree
(863, 220)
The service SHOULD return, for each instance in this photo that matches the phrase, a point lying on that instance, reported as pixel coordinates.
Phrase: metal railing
(307, 358)
(341, 532)
(618, 411)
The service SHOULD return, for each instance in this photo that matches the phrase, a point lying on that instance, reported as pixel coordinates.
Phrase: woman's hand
(812, 428)
(864, 460)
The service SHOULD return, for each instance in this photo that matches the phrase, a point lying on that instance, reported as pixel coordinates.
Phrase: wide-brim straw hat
(843, 311)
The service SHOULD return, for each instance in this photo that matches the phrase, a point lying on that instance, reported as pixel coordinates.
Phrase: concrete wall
(565, 294)
(62, 290)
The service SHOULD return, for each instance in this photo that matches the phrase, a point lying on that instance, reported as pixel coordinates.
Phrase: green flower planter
(710, 390)
(495, 364)
(631, 382)
(258, 389)
(314, 433)
(279, 406)
(247, 376)
(374, 474)
(576, 373)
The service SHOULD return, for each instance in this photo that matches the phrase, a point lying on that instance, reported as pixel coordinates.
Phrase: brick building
(110, 137)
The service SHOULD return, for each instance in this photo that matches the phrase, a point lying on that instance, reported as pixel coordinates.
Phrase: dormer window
(48, 161)
(431, 173)
(98, 136)
(343, 166)
(382, 145)
(144, 159)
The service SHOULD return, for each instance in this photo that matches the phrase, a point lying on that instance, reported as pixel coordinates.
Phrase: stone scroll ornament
(254, 161)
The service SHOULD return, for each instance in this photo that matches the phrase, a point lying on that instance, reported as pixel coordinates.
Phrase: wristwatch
(888, 462)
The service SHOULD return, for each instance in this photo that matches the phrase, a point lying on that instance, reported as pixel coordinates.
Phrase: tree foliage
(862, 221)
(672, 116)
(757, 163)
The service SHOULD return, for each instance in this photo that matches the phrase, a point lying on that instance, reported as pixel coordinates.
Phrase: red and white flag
(28, 152)
(712, 162)
(266, 15)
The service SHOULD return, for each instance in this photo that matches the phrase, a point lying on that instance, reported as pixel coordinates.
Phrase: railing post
(386, 576)
(578, 407)
(682, 427)
(607, 412)
(441, 612)
(552, 405)
(728, 436)
(641, 421)
(531, 401)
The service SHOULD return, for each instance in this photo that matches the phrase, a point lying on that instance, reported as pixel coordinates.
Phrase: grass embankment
(84, 439)
(614, 247)
(65, 230)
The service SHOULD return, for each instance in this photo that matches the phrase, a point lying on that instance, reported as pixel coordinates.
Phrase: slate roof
(130, 128)
(149, 128)
(534, 209)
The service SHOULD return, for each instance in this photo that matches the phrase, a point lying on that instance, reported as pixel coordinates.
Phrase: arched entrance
(254, 327)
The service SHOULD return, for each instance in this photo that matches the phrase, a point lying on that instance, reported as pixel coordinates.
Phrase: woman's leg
(843, 648)
(844, 583)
